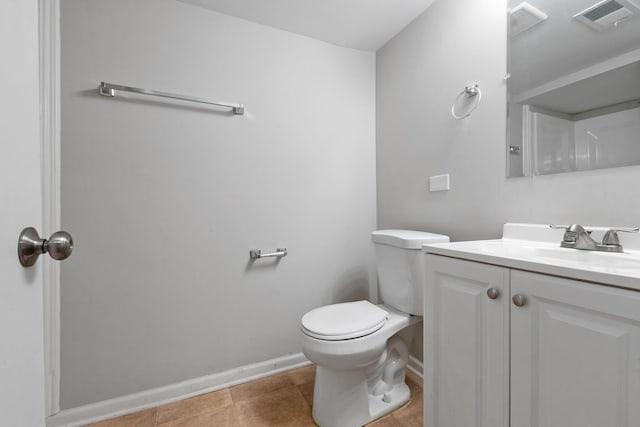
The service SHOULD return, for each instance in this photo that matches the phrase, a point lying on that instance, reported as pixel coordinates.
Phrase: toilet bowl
(350, 387)
(361, 349)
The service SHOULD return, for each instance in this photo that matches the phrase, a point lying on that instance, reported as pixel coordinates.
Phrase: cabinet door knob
(519, 300)
(493, 293)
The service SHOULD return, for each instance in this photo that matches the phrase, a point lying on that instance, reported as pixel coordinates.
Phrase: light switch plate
(439, 182)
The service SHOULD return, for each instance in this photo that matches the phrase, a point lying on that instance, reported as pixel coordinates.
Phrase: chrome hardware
(576, 237)
(472, 90)
(468, 92)
(31, 246)
(514, 149)
(519, 300)
(257, 253)
(109, 90)
(493, 293)
(611, 236)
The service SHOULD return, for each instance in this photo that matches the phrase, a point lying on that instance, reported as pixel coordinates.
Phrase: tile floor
(280, 400)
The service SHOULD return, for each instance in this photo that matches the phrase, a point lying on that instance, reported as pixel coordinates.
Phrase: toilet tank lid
(407, 239)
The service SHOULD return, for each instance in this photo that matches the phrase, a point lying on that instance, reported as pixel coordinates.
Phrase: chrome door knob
(60, 245)
(519, 300)
(31, 246)
(493, 293)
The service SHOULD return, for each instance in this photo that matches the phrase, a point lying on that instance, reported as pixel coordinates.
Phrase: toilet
(361, 349)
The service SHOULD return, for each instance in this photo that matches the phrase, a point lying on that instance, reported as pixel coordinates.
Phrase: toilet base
(341, 399)
(380, 406)
(353, 406)
(355, 397)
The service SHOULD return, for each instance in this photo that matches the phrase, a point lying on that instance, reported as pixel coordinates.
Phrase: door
(21, 310)
(575, 351)
(466, 345)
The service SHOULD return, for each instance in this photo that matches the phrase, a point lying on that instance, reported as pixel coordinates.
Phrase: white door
(466, 345)
(575, 354)
(21, 311)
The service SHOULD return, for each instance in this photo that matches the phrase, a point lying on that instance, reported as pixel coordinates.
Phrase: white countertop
(534, 247)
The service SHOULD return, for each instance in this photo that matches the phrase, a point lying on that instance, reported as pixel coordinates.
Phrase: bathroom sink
(553, 253)
(537, 248)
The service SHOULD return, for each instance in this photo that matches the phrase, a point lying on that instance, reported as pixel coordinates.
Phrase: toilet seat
(343, 321)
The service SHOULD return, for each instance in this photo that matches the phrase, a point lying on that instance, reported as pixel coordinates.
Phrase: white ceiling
(358, 24)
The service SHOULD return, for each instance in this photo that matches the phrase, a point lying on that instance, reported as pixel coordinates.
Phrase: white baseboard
(415, 366)
(158, 396)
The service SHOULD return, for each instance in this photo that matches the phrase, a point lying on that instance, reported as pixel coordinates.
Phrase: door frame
(50, 109)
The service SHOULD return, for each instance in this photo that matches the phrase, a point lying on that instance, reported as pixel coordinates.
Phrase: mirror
(573, 85)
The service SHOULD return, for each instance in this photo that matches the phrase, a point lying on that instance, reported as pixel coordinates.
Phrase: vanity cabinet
(567, 355)
(466, 344)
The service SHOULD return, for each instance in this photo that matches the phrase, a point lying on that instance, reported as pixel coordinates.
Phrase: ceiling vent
(525, 16)
(607, 14)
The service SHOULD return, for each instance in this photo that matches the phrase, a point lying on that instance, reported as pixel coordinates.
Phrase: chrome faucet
(576, 237)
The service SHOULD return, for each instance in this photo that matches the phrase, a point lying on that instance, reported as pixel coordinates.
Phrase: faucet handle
(611, 236)
(564, 227)
(626, 230)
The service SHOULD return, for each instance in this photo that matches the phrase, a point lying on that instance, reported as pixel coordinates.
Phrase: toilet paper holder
(257, 253)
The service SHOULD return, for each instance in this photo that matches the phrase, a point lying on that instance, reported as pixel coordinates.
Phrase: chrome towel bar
(109, 90)
(257, 253)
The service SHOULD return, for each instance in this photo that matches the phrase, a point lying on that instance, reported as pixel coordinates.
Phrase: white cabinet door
(575, 354)
(466, 346)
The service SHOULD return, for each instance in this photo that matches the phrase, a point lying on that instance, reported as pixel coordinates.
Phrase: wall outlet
(439, 182)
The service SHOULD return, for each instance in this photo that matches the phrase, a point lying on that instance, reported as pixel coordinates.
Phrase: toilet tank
(400, 266)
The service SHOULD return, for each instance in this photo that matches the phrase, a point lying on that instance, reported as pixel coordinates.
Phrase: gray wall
(164, 200)
(418, 75)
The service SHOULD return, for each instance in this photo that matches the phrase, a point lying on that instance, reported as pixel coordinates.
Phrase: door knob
(31, 246)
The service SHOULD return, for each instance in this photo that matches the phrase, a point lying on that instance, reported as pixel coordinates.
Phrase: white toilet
(360, 349)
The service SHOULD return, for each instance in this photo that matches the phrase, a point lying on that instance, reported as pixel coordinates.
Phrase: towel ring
(468, 92)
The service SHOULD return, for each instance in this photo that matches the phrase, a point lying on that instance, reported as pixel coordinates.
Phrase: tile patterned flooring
(280, 400)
